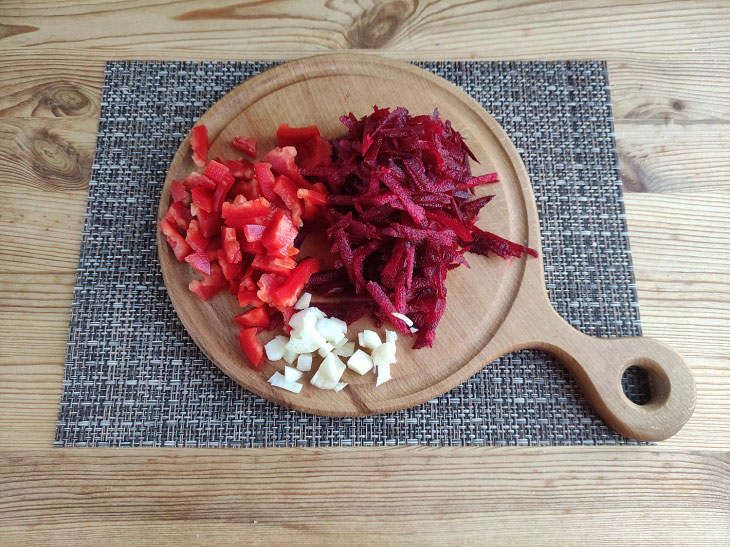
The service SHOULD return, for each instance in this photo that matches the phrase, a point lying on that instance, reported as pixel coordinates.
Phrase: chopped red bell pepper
(178, 215)
(199, 261)
(317, 152)
(179, 192)
(199, 144)
(265, 178)
(295, 136)
(221, 192)
(240, 169)
(217, 172)
(252, 189)
(279, 235)
(285, 188)
(257, 317)
(312, 196)
(248, 209)
(249, 281)
(253, 247)
(231, 270)
(247, 145)
(267, 283)
(194, 238)
(286, 314)
(311, 211)
(282, 162)
(203, 199)
(248, 297)
(210, 223)
(282, 266)
(175, 240)
(196, 179)
(253, 232)
(211, 250)
(287, 294)
(234, 285)
(231, 246)
(251, 347)
(210, 285)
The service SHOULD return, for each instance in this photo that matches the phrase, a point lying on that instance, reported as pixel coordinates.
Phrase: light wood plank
(506, 29)
(674, 158)
(366, 495)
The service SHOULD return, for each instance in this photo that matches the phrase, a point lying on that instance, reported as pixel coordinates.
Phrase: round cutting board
(493, 308)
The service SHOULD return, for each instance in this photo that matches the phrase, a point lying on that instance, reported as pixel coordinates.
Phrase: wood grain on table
(669, 66)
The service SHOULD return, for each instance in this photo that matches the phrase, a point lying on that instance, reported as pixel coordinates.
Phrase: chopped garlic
(360, 362)
(304, 362)
(402, 317)
(383, 374)
(304, 300)
(325, 349)
(331, 329)
(278, 380)
(345, 350)
(300, 345)
(275, 348)
(370, 339)
(384, 354)
(292, 374)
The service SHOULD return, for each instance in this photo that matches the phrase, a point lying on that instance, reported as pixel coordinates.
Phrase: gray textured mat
(133, 377)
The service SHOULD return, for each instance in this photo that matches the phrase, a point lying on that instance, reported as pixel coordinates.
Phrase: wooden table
(669, 66)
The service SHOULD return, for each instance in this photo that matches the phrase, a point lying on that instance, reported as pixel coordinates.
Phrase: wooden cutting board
(493, 308)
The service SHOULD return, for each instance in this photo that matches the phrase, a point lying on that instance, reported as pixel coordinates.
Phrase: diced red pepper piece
(253, 247)
(248, 209)
(251, 347)
(196, 179)
(242, 169)
(257, 317)
(282, 266)
(268, 283)
(279, 235)
(248, 297)
(252, 189)
(295, 136)
(253, 232)
(247, 145)
(231, 270)
(203, 199)
(179, 192)
(282, 162)
(217, 172)
(234, 285)
(210, 285)
(199, 261)
(285, 188)
(231, 246)
(178, 215)
(317, 152)
(287, 294)
(175, 240)
(265, 178)
(310, 210)
(211, 250)
(199, 144)
(210, 223)
(194, 238)
(312, 196)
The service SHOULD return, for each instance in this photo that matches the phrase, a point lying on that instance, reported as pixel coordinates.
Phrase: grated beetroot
(401, 213)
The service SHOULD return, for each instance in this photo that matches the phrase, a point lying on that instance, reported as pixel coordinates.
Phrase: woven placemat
(133, 376)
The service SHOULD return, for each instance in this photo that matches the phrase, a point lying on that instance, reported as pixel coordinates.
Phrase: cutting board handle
(598, 364)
